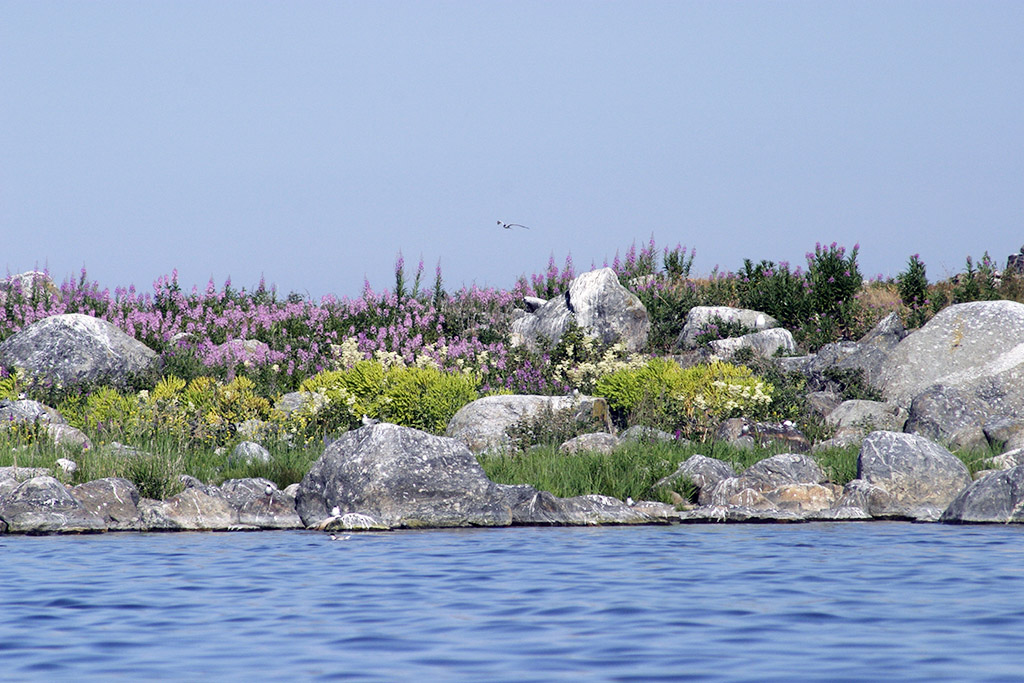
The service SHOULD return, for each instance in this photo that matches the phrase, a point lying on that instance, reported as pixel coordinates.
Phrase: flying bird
(509, 226)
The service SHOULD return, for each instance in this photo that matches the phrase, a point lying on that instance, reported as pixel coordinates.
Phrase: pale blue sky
(310, 141)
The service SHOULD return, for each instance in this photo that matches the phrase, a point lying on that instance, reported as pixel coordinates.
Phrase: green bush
(424, 398)
(692, 400)
(913, 288)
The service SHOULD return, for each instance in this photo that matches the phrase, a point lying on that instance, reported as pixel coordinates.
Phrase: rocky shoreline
(385, 476)
(958, 381)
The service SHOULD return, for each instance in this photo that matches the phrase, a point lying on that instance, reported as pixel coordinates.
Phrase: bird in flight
(509, 226)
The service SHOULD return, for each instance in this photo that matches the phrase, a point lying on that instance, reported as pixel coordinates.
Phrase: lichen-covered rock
(701, 471)
(482, 424)
(42, 505)
(532, 507)
(787, 482)
(259, 504)
(644, 434)
(919, 477)
(597, 442)
(868, 415)
(194, 509)
(995, 498)
(404, 477)
(248, 452)
(964, 368)
(869, 354)
(764, 344)
(74, 348)
(113, 499)
(598, 304)
(699, 317)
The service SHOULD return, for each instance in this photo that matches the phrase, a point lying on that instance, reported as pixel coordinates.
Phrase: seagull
(335, 511)
(509, 226)
(339, 538)
(368, 421)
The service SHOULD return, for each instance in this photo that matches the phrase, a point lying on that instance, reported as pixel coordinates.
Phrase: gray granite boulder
(260, 505)
(482, 424)
(598, 304)
(644, 434)
(43, 505)
(113, 499)
(532, 507)
(997, 497)
(248, 452)
(699, 317)
(24, 411)
(788, 481)
(74, 348)
(870, 353)
(867, 415)
(765, 344)
(962, 369)
(404, 477)
(917, 477)
(194, 509)
(597, 442)
(701, 471)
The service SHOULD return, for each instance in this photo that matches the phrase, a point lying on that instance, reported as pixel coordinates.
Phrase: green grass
(631, 470)
(156, 468)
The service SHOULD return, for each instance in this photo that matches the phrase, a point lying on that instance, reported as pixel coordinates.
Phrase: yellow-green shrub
(692, 399)
(425, 398)
(420, 397)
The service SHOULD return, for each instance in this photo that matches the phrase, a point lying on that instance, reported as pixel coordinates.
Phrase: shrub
(424, 398)
(692, 400)
(913, 287)
(976, 284)
(775, 290)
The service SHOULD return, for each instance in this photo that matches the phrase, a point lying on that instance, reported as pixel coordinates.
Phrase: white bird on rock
(509, 226)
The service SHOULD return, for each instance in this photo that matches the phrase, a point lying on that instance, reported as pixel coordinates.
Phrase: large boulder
(403, 477)
(260, 505)
(29, 284)
(74, 348)
(765, 344)
(905, 476)
(964, 368)
(598, 304)
(869, 354)
(699, 317)
(482, 424)
(42, 505)
(113, 499)
(702, 472)
(867, 415)
(788, 482)
(997, 497)
(194, 509)
(532, 507)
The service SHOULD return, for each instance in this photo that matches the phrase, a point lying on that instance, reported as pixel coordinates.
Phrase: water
(804, 602)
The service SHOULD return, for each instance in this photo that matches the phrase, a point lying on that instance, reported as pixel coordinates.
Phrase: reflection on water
(815, 602)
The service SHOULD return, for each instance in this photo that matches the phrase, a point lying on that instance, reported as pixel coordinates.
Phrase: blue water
(804, 602)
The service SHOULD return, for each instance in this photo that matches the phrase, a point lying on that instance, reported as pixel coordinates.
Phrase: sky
(308, 143)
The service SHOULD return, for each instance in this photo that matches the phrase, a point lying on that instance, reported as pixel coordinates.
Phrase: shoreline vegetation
(413, 354)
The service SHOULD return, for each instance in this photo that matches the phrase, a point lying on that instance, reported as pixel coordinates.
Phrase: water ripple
(810, 602)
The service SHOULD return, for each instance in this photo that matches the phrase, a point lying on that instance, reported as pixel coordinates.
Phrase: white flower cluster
(727, 397)
(347, 353)
(581, 372)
